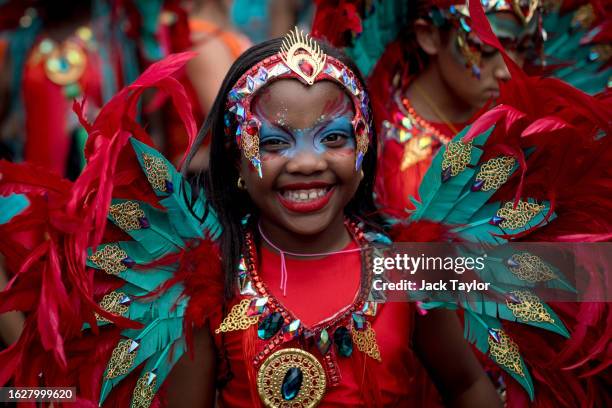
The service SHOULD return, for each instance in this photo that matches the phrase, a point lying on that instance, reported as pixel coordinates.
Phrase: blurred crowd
(53, 52)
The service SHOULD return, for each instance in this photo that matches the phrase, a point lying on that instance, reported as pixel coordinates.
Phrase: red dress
(316, 291)
(55, 75)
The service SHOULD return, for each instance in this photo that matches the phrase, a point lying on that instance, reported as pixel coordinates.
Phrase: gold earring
(241, 183)
(361, 174)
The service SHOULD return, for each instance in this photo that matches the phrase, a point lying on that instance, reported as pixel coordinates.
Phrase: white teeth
(304, 195)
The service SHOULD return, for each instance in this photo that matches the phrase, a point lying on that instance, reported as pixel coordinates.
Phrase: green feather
(183, 220)
(564, 47)
(439, 198)
(160, 238)
(379, 28)
(476, 332)
(145, 278)
(153, 338)
(496, 270)
(162, 362)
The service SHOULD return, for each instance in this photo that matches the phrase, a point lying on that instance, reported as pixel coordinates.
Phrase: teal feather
(453, 203)
(163, 306)
(564, 46)
(147, 279)
(476, 331)
(557, 326)
(463, 209)
(161, 363)
(153, 338)
(169, 230)
(379, 28)
(496, 270)
(481, 305)
(480, 230)
(160, 238)
(439, 198)
(12, 205)
(183, 220)
(150, 11)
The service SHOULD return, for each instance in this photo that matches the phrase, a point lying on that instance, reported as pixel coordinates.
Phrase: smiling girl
(305, 191)
(262, 269)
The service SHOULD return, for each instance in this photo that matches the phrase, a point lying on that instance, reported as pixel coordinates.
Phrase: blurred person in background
(430, 75)
(57, 52)
(286, 14)
(217, 44)
(430, 78)
(261, 20)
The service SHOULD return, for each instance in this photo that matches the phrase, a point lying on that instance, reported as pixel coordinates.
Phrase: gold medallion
(66, 64)
(291, 378)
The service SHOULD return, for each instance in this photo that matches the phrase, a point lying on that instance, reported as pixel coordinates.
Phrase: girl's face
(307, 149)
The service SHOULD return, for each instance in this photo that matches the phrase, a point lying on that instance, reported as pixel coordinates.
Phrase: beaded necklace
(294, 375)
(408, 110)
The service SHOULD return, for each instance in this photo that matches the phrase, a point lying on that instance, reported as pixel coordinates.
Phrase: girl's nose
(500, 70)
(307, 162)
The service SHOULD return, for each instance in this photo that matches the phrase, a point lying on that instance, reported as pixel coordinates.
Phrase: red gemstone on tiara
(252, 128)
(306, 67)
(360, 128)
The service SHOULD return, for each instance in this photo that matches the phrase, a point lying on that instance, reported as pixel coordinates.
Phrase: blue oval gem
(269, 326)
(446, 174)
(477, 186)
(343, 341)
(292, 383)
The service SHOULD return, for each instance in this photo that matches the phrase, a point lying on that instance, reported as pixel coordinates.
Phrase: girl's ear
(428, 37)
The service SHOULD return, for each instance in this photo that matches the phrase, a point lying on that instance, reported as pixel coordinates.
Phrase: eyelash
(274, 143)
(341, 136)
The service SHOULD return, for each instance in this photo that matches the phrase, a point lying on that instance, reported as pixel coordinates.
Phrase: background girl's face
(307, 149)
(471, 90)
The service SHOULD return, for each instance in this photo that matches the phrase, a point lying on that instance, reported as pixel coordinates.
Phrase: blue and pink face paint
(331, 133)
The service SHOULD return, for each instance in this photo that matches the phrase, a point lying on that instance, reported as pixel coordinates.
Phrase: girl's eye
(334, 139)
(272, 144)
(488, 52)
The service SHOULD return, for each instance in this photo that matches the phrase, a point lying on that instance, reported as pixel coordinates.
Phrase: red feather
(46, 247)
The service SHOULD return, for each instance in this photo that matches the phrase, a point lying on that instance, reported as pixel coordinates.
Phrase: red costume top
(54, 75)
(317, 291)
(408, 144)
